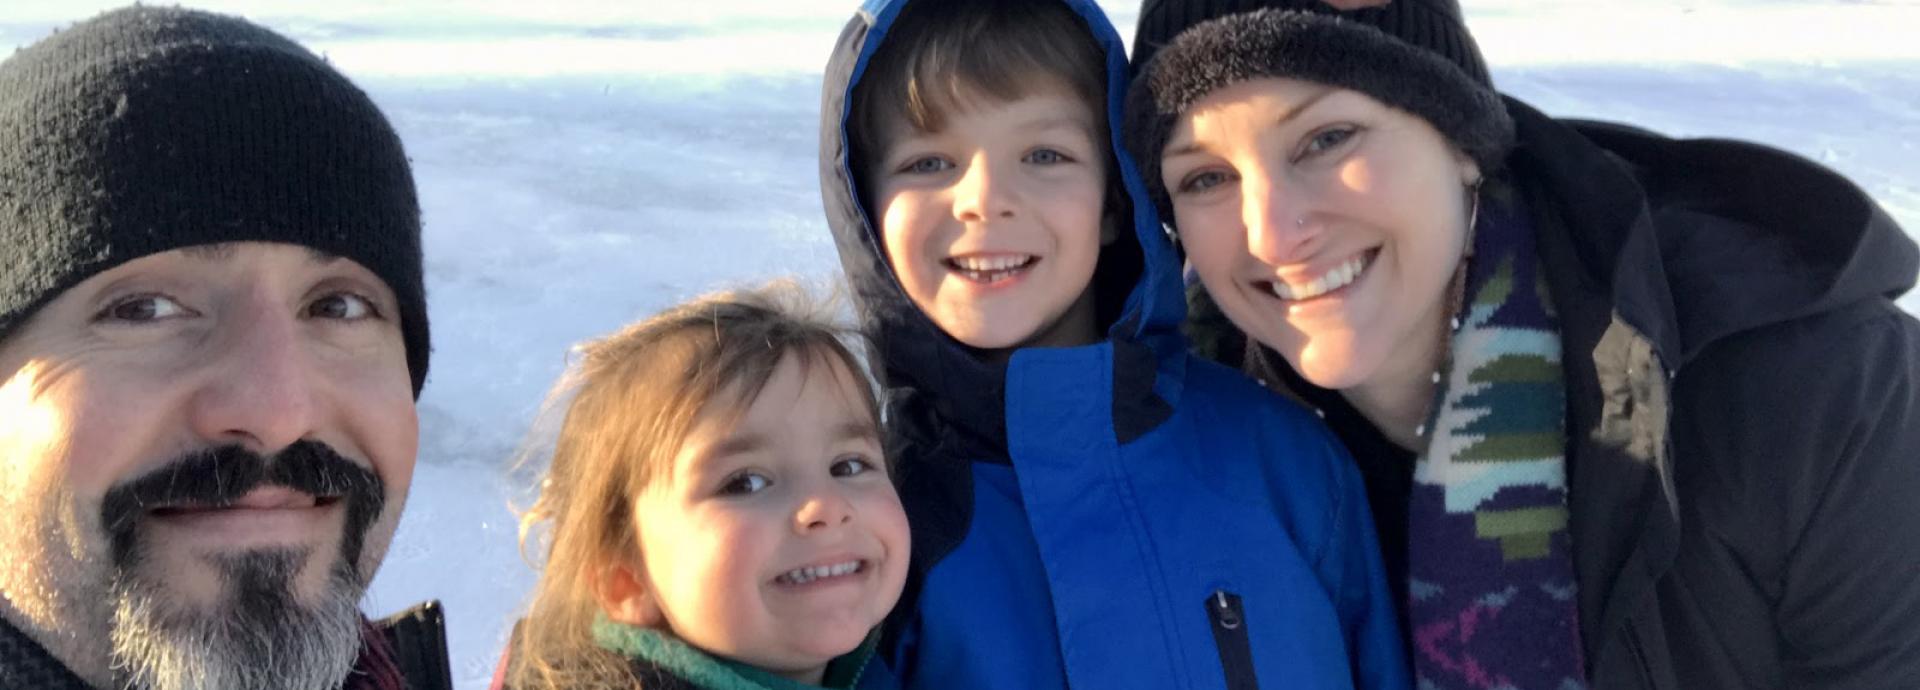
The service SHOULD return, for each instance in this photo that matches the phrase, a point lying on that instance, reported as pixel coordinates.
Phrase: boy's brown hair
(943, 55)
(624, 408)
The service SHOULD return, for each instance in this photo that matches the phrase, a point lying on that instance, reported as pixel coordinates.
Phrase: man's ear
(625, 597)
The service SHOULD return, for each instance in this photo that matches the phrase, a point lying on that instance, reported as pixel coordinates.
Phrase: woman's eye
(1203, 181)
(851, 465)
(342, 305)
(1047, 157)
(142, 309)
(1326, 140)
(925, 166)
(745, 483)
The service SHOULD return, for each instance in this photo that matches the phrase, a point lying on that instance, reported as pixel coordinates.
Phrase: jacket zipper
(1230, 636)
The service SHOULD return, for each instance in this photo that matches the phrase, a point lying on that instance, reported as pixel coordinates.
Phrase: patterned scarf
(1491, 570)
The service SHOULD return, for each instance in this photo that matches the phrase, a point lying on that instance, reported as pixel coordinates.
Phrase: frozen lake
(582, 164)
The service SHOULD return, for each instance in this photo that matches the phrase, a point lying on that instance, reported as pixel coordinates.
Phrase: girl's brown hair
(628, 403)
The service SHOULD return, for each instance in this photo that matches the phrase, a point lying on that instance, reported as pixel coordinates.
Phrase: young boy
(1090, 506)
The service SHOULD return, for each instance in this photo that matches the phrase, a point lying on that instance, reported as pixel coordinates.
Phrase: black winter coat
(1743, 411)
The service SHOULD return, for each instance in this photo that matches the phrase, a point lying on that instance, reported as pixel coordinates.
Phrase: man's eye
(1047, 157)
(926, 166)
(851, 465)
(744, 484)
(342, 305)
(142, 309)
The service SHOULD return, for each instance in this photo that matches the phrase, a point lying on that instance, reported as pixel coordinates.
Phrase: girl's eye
(851, 465)
(926, 166)
(1326, 140)
(342, 305)
(1203, 181)
(1047, 157)
(142, 309)
(744, 484)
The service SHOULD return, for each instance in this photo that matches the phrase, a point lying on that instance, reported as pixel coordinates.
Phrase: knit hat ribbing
(149, 129)
(1413, 55)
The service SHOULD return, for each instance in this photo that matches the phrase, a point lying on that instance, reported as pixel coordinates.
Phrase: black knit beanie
(1414, 55)
(149, 129)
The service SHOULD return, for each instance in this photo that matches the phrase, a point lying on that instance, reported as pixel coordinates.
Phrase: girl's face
(777, 540)
(1325, 224)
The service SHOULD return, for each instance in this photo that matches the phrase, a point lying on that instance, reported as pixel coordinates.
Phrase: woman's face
(1324, 223)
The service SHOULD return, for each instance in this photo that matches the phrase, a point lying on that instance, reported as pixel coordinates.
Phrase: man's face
(199, 444)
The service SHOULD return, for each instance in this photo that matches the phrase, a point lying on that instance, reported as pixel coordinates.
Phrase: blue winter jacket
(1119, 515)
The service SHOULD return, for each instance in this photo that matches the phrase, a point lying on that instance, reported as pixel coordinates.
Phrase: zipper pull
(1230, 637)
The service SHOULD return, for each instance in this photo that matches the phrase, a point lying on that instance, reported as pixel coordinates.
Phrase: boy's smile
(993, 224)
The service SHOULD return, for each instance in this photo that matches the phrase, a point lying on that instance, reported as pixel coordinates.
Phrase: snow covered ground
(583, 163)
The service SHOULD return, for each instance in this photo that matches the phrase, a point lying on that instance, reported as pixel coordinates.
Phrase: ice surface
(583, 163)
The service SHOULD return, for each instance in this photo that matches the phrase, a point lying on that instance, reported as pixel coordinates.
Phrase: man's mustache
(218, 477)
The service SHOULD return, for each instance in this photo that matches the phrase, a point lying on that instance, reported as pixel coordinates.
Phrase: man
(212, 333)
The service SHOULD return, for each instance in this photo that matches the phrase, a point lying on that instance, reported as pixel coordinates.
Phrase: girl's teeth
(801, 576)
(1341, 276)
(980, 267)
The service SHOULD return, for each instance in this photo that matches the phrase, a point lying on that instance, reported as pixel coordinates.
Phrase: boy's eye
(745, 483)
(1203, 181)
(1047, 157)
(926, 165)
(851, 465)
(142, 309)
(342, 305)
(1326, 140)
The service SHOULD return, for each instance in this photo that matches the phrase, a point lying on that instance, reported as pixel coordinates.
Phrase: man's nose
(260, 391)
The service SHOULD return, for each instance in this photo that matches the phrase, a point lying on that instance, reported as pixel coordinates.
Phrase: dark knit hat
(149, 129)
(1414, 55)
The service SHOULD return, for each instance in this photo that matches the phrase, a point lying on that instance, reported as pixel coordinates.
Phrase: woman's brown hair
(624, 408)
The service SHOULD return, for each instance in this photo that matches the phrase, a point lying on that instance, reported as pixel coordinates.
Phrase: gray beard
(258, 637)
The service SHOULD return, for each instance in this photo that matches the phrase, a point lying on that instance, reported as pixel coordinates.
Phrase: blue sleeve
(1351, 567)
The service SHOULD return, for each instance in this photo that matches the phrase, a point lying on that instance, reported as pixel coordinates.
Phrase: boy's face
(993, 224)
(779, 538)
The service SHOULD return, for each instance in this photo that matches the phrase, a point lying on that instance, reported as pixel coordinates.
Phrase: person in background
(1633, 412)
(212, 334)
(716, 511)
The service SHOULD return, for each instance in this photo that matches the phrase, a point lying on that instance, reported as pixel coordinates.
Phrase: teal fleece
(714, 673)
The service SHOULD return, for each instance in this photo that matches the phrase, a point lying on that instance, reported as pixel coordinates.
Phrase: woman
(1634, 412)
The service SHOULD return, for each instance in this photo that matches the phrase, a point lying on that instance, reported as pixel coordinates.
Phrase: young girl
(717, 511)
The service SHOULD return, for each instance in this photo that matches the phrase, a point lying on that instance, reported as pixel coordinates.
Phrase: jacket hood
(1746, 235)
(916, 358)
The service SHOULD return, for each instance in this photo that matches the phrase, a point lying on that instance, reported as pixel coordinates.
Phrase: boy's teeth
(801, 576)
(1341, 276)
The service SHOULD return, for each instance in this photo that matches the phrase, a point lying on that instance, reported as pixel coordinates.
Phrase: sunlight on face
(1325, 224)
(994, 224)
(778, 540)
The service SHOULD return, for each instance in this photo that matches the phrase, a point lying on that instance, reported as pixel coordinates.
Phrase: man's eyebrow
(1303, 106)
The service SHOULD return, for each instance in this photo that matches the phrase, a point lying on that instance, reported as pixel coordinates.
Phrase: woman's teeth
(801, 576)
(1341, 276)
(988, 269)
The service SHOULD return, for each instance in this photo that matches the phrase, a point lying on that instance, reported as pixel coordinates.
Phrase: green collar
(714, 673)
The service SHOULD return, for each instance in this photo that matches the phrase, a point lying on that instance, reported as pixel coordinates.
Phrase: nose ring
(1300, 222)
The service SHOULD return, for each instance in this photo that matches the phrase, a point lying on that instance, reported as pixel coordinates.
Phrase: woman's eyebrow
(1288, 116)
